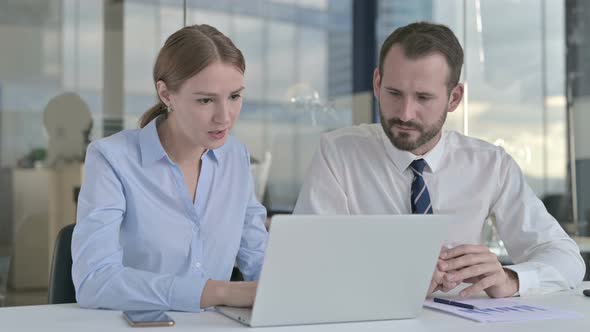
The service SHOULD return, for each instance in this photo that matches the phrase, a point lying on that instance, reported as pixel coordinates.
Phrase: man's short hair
(422, 39)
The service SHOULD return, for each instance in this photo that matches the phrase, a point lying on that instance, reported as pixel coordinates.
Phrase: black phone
(139, 318)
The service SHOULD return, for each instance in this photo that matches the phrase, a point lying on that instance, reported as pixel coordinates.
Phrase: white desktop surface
(70, 317)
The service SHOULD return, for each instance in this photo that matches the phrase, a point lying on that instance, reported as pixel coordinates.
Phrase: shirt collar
(152, 150)
(402, 159)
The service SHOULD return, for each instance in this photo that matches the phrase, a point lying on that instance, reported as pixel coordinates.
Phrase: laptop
(331, 269)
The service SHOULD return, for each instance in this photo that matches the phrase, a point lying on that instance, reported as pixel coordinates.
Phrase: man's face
(414, 99)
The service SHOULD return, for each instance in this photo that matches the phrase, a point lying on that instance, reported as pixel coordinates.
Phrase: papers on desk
(502, 310)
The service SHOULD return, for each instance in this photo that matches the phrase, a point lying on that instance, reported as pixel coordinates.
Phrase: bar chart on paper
(502, 310)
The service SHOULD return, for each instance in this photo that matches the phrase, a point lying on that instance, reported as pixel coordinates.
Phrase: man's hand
(475, 264)
(438, 281)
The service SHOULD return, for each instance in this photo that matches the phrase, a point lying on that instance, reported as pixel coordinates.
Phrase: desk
(69, 317)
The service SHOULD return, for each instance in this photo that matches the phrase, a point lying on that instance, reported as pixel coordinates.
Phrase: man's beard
(403, 141)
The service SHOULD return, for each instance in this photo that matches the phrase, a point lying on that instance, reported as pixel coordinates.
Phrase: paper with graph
(502, 310)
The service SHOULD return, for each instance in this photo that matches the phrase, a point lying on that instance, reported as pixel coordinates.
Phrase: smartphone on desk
(141, 318)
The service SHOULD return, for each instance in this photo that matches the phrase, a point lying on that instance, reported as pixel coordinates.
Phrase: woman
(165, 210)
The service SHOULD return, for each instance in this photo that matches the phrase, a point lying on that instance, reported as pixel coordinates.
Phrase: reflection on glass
(305, 99)
(146, 25)
(514, 96)
(298, 80)
(298, 85)
(55, 47)
(513, 84)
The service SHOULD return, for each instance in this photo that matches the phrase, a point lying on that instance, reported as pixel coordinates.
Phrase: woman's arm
(100, 278)
(254, 235)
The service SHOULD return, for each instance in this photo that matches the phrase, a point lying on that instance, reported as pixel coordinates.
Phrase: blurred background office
(73, 71)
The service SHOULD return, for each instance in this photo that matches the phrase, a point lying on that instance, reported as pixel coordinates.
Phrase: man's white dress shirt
(357, 170)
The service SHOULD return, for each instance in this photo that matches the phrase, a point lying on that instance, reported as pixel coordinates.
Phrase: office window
(292, 48)
(49, 48)
(515, 95)
(99, 55)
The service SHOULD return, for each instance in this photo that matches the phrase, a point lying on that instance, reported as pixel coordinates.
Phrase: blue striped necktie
(420, 197)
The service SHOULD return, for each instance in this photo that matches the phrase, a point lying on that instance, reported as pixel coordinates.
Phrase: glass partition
(75, 71)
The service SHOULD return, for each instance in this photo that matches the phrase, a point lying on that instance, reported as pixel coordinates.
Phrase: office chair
(558, 205)
(61, 286)
(236, 275)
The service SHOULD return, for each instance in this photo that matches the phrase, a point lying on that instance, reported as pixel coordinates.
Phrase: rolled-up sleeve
(546, 258)
(100, 278)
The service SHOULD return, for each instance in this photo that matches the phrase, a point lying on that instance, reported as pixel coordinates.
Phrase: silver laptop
(329, 269)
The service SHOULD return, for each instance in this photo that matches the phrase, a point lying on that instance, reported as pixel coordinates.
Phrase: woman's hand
(229, 293)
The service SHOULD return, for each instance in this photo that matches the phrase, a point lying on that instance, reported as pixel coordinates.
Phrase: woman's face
(206, 106)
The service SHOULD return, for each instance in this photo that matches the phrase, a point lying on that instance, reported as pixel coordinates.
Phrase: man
(407, 164)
